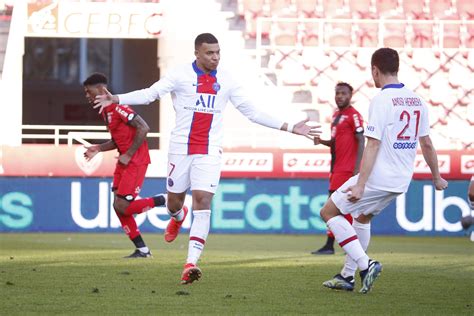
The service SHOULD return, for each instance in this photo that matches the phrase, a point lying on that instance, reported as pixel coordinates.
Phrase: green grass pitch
(242, 274)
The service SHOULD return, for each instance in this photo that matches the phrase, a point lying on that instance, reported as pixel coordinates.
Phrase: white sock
(198, 234)
(363, 233)
(178, 216)
(144, 249)
(347, 239)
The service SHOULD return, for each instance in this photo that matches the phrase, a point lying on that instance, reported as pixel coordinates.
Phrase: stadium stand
(331, 41)
(304, 47)
(387, 8)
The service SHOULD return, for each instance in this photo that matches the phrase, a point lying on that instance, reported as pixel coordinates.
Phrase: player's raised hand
(91, 151)
(355, 192)
(301, 128)
(440, 184)
(104, 100)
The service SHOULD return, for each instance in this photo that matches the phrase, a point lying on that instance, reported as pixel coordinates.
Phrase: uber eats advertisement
(263, 206)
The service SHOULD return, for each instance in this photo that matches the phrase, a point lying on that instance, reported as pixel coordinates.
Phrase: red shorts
(337, 179)
(128, 180)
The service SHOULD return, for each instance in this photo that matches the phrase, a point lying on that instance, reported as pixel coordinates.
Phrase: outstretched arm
(137, 97)
(241, 101)
(143, 96)
(299, 128)
(262, 118)
(431, 159)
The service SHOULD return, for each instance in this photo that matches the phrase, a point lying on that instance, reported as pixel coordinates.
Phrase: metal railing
(70, 133)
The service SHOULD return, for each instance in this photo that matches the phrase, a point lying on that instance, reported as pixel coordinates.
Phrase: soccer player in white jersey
(200, 91)
(398, 121)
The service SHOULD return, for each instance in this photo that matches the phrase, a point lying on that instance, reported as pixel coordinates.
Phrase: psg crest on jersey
(216, 86)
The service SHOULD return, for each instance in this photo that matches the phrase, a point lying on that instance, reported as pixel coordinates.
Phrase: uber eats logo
(16, 210)
(235, 209)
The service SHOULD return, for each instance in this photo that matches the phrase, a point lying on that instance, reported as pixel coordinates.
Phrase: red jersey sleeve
(357, 123)
(125, 113)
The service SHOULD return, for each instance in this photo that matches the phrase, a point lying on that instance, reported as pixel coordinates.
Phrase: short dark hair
(207, 38)
(345, 84)
(95, 78)
(386, 60)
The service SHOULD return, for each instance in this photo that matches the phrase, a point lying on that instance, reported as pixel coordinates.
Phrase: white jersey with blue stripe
(199, 100)
(398, 117)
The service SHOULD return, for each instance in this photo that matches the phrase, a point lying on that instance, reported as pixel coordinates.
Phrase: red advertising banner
(68, 161)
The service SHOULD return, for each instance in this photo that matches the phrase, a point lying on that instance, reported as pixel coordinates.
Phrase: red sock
(329, 233)
(129, 225)
(140, 206)
(349, 218)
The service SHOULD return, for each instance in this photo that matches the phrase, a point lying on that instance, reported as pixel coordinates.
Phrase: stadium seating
(387, 8)
(451, 35)
(465, 9)
(310, 35)
(414, 9)
(338, 34)
(361, 9)
(441, 8)
(421, 34)
(334, 8)
(329, 41)
(366, 34)
(394, 34)
(307, 8)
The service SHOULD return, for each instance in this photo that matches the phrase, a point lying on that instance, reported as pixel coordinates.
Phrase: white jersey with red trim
(398, 117)
(199, 100)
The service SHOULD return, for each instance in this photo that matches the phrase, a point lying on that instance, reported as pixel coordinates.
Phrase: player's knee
(325, 213)
(120, 207)
(328, 211)
(202, 201)
(174, 205)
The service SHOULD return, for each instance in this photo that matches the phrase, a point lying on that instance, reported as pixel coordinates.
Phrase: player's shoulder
(380, 97)
(125, 111)
(416, 96)
(121, 107)
(410, 97)
(353, 110)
